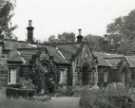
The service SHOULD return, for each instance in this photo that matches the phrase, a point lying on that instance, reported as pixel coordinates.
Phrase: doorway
(86, 74)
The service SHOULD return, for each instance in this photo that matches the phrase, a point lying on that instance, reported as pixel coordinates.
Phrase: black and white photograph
(67, 53)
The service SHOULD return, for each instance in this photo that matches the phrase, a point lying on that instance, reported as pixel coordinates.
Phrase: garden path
(63, 102)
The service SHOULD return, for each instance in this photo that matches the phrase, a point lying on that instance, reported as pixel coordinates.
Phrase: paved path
(63, 102)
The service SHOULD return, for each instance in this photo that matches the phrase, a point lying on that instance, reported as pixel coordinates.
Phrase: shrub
(76, 91)
(113, 96)
(64, 91)
(19, 102)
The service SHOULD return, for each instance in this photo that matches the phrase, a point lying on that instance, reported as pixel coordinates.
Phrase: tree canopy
(96, 43)
(6, 14)
(64, 37)
(123, 26)
(122, 31)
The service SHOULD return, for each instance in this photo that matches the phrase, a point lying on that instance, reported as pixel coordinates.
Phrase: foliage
(125, 46)
(64, 91)
(116, 26)
(20, 102)
(64, 37)
(6, 15)
(122, 31)
(114, 96)
(52, 39)
(95, 42)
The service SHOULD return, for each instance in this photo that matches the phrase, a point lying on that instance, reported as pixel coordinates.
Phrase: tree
(122, 31)
(116, 26)
(52, 39)
(124, 26)
(125, 47)
(6, 14)
(95, 42)
(66, 37)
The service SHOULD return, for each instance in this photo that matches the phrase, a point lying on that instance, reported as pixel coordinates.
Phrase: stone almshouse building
(64, 63)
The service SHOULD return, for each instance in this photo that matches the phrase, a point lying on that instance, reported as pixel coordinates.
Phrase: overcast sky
(57, 16)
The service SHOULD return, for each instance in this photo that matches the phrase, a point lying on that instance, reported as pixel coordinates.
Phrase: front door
(85, 74)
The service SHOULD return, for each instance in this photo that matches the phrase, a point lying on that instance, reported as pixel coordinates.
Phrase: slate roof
(101, 60)
(14, 56)
(62, 53)
(131, 61)
(13, 44)
(25, 54)
(58, 58)
(105, 59)
(69, 50)
(26, 51)
(113, 62)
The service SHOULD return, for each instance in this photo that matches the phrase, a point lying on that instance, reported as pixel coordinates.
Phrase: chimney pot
(80, 31)
(30, 29)
(79, 37)
(30, 23)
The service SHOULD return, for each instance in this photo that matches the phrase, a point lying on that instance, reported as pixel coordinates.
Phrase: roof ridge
(22, 58)
(61, 54)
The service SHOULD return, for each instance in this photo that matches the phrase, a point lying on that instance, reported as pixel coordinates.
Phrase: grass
(57, 102)
(18, 103)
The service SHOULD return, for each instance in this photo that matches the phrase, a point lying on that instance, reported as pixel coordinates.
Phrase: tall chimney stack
(30, 29)
(79, 37)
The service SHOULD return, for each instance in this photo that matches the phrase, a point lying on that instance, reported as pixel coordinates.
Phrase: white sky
(57, 16)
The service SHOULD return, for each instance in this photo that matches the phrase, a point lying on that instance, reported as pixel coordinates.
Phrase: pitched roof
(25, 54)
(62, 52)
(101, 60)
(57, 54)
(26, 51)
(13, 44)
(69, 50)
(113, 62)
(131, 61)
(14, 56)
(106, 59)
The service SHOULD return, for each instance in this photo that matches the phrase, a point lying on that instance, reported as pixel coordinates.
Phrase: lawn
(18, 103)
(57, 102)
